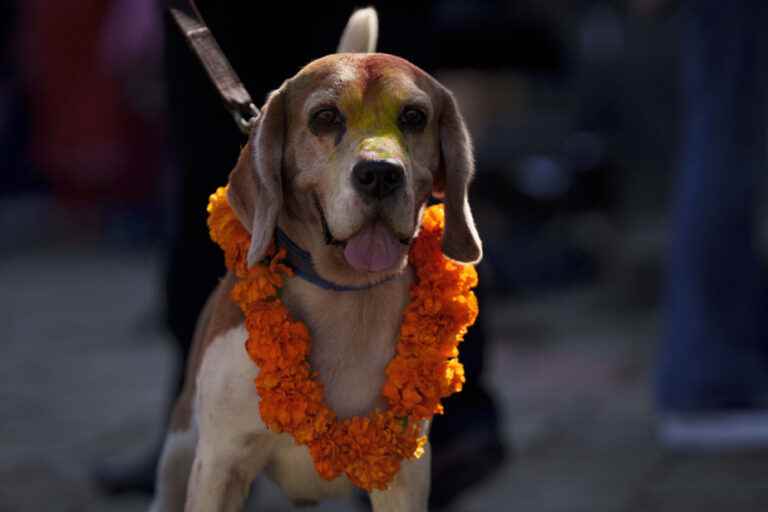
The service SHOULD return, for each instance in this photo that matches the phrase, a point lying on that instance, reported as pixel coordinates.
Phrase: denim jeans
(714, 349)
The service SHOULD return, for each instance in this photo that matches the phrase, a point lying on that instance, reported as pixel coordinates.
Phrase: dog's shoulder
(219, 315)
(224, 390)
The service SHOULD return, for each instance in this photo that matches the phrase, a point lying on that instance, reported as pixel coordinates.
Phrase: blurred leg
(714, 349)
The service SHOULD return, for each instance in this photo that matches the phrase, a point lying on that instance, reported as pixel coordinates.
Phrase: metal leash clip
(199, 37)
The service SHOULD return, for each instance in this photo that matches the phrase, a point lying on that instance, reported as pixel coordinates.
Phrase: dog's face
(344, 159)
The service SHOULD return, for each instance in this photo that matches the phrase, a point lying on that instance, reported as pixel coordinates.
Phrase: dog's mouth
(327, 235)
(374, 248)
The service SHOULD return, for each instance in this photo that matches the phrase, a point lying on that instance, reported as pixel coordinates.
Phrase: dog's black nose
(377, 178)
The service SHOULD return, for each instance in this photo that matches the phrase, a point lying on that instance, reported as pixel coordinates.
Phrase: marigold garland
(424, 370)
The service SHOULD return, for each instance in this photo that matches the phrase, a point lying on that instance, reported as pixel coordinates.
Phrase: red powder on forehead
(373, 67)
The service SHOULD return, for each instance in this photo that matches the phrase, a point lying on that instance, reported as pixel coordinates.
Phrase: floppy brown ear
(460, 239)
(255, 184)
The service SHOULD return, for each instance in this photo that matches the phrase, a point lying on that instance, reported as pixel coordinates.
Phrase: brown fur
(219, 315)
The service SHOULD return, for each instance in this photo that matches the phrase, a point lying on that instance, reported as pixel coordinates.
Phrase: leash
(200, 39)
(239, 103)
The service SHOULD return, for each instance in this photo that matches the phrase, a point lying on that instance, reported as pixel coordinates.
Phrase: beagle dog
(342, 163)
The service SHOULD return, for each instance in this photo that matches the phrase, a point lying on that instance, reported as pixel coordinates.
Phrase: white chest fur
(354, 334)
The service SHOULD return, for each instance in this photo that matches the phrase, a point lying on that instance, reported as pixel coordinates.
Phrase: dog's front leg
(216, 484)
(409, 491)
(233, 444)
(221, 478)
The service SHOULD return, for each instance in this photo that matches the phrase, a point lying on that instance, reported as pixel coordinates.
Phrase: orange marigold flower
(424, 370)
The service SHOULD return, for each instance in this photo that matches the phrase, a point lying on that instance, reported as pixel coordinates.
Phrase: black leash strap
(220, 71)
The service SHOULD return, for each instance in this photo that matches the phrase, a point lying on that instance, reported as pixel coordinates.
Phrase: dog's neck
(353, 331)
(354, 335)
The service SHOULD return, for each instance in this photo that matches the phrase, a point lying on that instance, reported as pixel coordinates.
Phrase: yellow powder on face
(372, 114)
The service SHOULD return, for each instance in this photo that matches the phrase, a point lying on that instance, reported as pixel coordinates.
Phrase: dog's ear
(460, 239)
(255, 190)
(361, 32)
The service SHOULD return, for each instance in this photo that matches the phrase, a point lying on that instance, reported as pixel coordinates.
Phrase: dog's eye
(326, 119)
(412, 118)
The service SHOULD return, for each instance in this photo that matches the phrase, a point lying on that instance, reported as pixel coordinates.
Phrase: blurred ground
(571, 371)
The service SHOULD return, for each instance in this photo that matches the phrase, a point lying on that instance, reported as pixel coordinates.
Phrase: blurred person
(207, 145)
(99, 151)
(712, 381)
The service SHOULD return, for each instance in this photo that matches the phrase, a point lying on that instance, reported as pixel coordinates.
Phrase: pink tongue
(373, 249)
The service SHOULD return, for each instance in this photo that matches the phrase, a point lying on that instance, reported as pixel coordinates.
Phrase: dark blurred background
(619, 148)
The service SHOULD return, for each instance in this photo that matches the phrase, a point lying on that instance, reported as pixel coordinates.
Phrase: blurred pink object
(89, 142)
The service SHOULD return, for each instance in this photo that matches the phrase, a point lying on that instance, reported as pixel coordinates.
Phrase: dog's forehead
(356, 76)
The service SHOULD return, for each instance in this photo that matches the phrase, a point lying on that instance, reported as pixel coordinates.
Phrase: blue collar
(300, 261)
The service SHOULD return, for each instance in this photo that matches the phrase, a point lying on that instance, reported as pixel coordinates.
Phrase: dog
(343, 161)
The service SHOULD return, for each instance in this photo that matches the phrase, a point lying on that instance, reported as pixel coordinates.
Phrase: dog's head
(344, 159)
